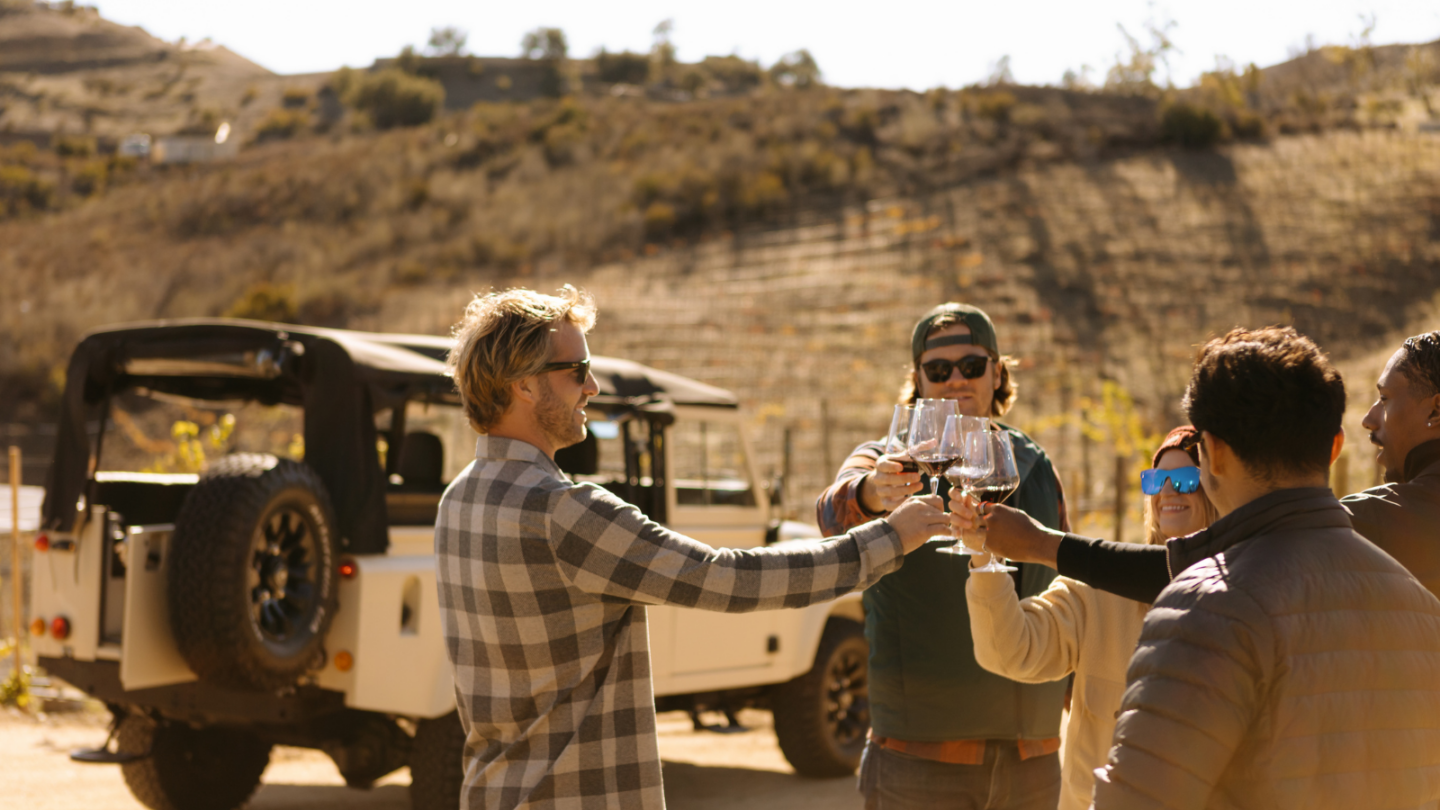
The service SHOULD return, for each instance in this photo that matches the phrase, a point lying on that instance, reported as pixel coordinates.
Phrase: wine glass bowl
(1000, 484)
(973, 463)
(929, 445)
(896, 439)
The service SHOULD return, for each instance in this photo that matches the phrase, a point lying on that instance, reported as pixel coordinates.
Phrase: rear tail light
(348, 569)
(60, 628)
(42, 543)
(344, 661)
(37, 626)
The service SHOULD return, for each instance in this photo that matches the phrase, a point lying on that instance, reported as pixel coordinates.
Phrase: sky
(918, 44)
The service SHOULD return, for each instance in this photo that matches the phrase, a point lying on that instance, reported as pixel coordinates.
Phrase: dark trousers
(890, 780)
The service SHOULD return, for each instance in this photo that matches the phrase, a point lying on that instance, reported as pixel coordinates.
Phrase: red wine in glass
(994, 493)
(935, 465)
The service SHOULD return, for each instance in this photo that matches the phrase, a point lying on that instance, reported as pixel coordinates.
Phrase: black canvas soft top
(327, 371)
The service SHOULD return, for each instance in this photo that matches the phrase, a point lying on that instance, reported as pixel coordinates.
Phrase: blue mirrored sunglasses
(1185, 480)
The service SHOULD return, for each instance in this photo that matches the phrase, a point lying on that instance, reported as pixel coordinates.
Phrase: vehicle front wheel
(823, 716)
(191, 768)
(437, 764)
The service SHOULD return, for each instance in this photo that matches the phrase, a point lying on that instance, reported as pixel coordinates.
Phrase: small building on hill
(196, 148)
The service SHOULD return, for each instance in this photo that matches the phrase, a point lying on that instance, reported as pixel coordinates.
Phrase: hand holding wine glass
(895, 475)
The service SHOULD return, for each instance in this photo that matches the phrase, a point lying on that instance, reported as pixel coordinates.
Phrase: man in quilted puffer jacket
(1290, 663)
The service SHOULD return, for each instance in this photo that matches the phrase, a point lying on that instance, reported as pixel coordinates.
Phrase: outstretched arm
(1132, 570)
(607, 547)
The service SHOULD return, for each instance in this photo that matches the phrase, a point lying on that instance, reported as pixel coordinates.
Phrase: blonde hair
(504, 338)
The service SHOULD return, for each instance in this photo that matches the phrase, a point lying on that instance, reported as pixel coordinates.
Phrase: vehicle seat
(422, 463)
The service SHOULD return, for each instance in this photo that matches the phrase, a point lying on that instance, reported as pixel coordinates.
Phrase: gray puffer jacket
(1292, 664)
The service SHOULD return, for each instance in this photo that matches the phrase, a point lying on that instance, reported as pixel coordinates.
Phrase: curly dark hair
(1420, 363)
(1270, 394)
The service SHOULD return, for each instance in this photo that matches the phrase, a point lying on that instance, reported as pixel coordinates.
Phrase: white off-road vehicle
(237, 552)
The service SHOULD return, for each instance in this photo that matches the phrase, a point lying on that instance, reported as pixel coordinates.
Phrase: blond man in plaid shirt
(544, 582)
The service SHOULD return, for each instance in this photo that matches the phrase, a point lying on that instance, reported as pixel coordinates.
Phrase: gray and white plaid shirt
(543, 584)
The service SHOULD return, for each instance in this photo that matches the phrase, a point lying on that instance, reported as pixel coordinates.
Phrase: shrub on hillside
(736, 75)
(1190, 126)
(91, 178)
(282, 123)
(20, 154)
(624, 67)
(796, 69)
(265, 302)
(391, 97)
(995, 105)
(295, 97)
(74, 145)
(1247, 126)
(22, 191)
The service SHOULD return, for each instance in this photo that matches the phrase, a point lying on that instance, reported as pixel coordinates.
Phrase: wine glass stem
(935, 485)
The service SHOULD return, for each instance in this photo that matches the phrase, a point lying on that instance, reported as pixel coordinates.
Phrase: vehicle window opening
(711, 468)
(624, 455)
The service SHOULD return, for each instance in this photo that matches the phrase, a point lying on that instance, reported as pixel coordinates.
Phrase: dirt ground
(703, 771)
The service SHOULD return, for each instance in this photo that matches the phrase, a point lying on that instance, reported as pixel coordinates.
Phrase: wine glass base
(958, 549)
(995, 567)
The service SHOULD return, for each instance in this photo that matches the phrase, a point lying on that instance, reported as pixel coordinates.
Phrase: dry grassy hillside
(779, 244)
(1102, 273)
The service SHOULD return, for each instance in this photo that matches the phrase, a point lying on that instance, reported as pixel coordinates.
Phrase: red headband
(1185, 438)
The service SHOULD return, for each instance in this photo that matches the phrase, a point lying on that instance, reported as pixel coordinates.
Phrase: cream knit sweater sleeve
(1031, 640)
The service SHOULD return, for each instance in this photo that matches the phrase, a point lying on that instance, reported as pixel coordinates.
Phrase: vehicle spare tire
(251, 574)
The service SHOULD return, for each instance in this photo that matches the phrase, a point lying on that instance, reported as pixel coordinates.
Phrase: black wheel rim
(282, 575)
(846, 695)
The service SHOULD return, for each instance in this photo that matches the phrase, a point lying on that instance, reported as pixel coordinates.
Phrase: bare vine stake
(15, 548)
(1121, 468)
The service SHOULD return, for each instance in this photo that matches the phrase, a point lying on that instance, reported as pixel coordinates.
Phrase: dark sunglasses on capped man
(580, 367)
(1185, 480)
(971, 367)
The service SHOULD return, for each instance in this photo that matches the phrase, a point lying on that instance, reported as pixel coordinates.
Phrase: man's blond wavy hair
(504, 338)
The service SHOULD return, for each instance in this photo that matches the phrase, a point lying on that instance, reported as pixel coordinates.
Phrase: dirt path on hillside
(703, 771)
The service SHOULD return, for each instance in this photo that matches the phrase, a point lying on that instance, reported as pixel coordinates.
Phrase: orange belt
(964, 752)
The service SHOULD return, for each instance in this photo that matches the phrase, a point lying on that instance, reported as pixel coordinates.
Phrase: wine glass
(926, 441)
(975, 464)
(895, 443)
(1001, 483)
(927, 428)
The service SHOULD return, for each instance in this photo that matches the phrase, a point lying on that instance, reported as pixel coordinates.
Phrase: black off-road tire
(252, 573)
(437, 764)
(189, 768)
(823, 716)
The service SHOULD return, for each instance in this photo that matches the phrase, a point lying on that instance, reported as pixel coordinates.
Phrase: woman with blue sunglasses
(1071, 628)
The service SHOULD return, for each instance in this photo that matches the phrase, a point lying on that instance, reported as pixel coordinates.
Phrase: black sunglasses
(580, 367)
(971, 367)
